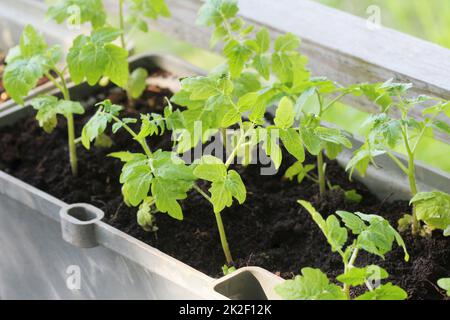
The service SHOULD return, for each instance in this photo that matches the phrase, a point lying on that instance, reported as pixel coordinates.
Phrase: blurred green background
(427, 19)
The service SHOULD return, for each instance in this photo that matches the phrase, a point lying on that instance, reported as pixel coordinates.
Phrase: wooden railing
(339, 45)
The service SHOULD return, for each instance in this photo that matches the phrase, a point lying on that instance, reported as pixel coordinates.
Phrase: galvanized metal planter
(98, 261)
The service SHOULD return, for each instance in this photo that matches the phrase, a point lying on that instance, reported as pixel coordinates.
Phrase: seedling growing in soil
(372, 234)
(445, 284)
(387, 132)
(77, 12)
(27, 63)
(284, 77)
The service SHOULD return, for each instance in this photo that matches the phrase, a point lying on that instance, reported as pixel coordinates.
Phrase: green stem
(222, 234)
(238, 145)
(142, 142)
(223, 132)
(122, 25)
(412, 180)
(72, 144)
(70, 122)
(398, 162)
(321, 173)
(349, 266)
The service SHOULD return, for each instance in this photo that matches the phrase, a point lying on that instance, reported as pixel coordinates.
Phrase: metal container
(97, 261)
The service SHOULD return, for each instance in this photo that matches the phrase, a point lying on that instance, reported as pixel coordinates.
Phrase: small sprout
(146, 215)
(228, 270)
(386, 133)
(353, 196)
(445, 284)
(374, 235)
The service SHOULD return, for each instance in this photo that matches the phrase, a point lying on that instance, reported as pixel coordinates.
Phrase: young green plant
(374, 235)
(27, 63)
(387, 132)
(283, 77)
(445, 284)
(78, 12)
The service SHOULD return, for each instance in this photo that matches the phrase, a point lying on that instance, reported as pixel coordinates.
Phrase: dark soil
(270, 230)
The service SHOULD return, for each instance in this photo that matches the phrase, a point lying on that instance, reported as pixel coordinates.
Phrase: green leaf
(95, 56)
(145, 216)
(116, 67)
(385, 292)
(78, 11)
(237, 55)
(46, 115)
(211, 169)
(361, 159)
(32, 43)
(263, 40)
(299, 171)
(332, 135)
(405, 223)
(262, 65)
(135, 190)
(236, 186)
(270, 145)
(313, 284)
(293, 143)
(352, 221)
(221, 196)
(311, 140)
(353, 196)
(214, 12)
(284, 116)
(141, 9)
(358, 276)
(302, 100)
(26, 65)
(126, 156)
(223, 191)
(49, 107)
(433, 208)
(379, 236)
(94, 128)
(166, 194)
(442, 126)
(137, 82)
(445, 284)
(287, 42)
(67, 108)
(335, 234)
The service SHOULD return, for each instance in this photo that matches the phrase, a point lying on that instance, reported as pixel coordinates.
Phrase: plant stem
(222, 234)
(72, 144)
(236, 149)
(122, 25)
(412, 179)
(142, 142)
(223, 239)
(70, 122)
(321, 173)
(223, 132)
(349, 266)
(398, 162)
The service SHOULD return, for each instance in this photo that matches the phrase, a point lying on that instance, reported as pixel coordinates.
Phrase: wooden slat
(339, 45)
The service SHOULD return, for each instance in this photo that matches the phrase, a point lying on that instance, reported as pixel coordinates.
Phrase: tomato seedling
(386, 132)
(26, 64)
(372, 234)
(78, 12)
